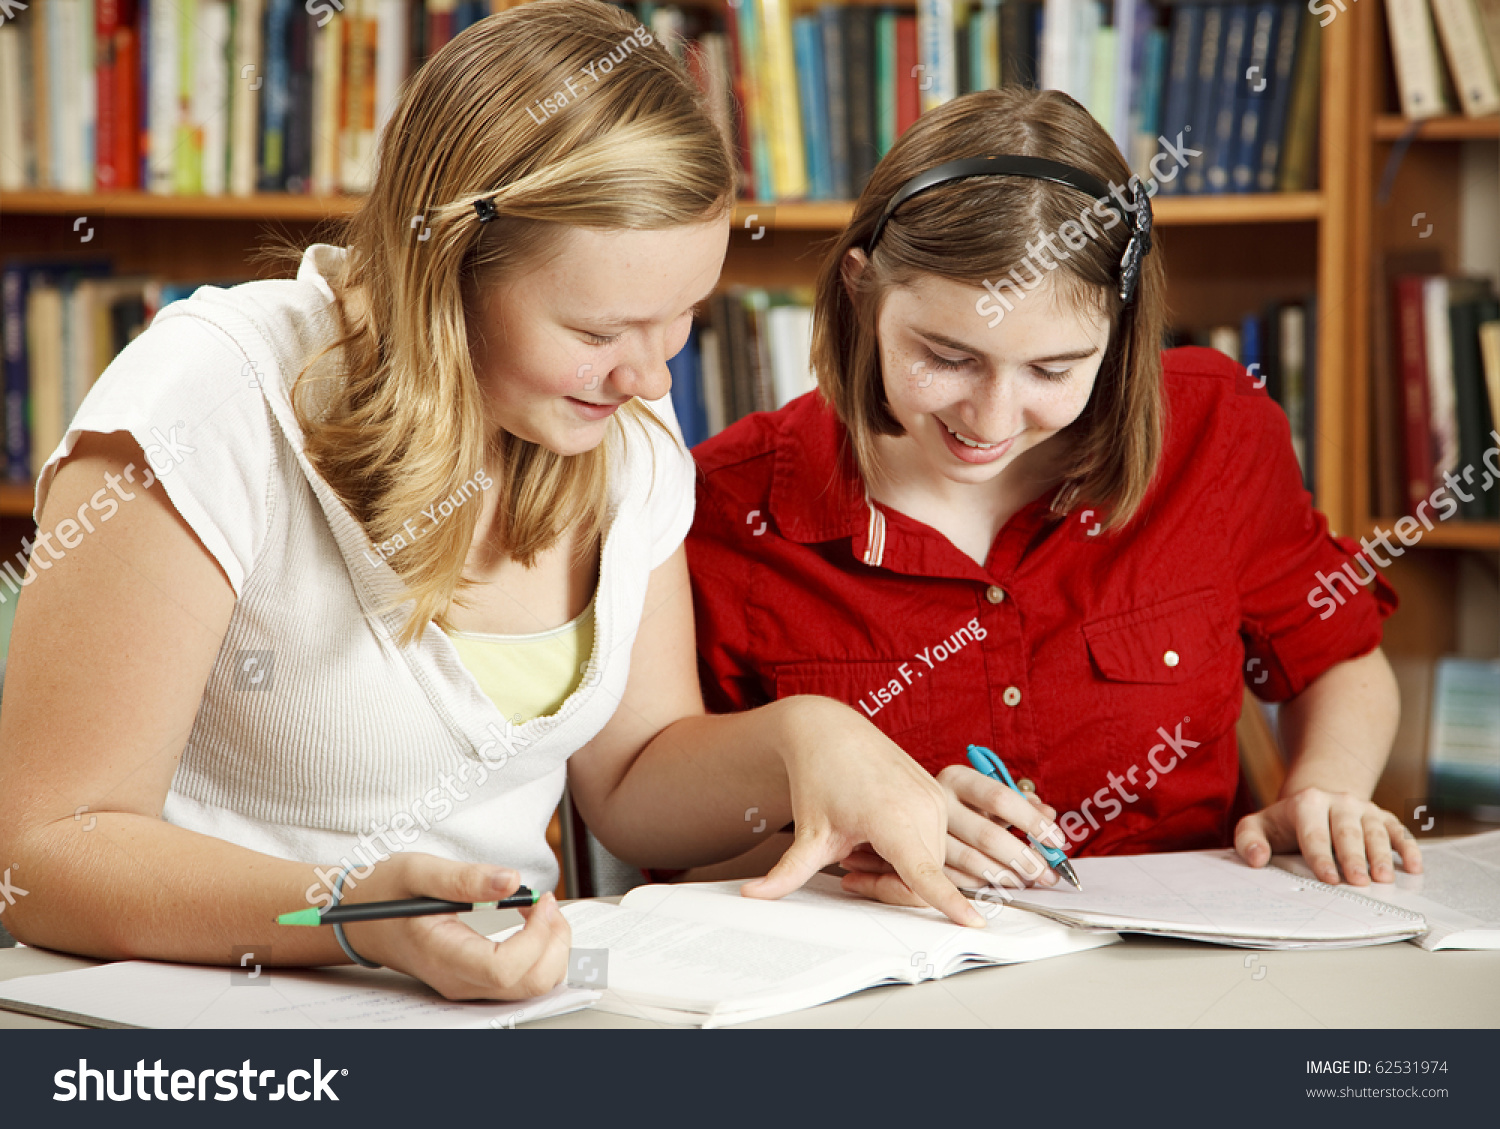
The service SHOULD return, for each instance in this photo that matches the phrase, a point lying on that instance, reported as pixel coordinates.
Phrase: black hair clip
(1140, 243)
(484, 208)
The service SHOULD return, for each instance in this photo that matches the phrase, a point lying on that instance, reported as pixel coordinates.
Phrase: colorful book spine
(812, 82)
(1411, 352)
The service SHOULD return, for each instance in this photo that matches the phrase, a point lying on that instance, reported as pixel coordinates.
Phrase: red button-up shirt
(1106, 668)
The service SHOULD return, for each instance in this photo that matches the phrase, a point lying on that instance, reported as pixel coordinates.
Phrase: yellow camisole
(529, 676)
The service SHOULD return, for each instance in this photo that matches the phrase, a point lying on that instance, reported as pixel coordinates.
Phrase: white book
(790, 329)
(937, 52)
(1214, 896)
(246, 81)
(1441, 398)
(1055, 64)
(1419, 75)
(72, 93)
(391, 50)
(700, 954)
(210, 108)
(153, 994)
(161, 133)
(12, 159)
(1457, 893)
(1469, 60)
(714, 413)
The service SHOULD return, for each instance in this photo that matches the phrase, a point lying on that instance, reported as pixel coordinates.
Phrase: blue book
(1153, 79)
(807, 39)
(1252, 351)
(1273, 128)
(1219, 153)
(1255, 93)
(1205, 84)
(687, 390)
(275, 96)
(836, 100)
(16, 279)
(1177, 114)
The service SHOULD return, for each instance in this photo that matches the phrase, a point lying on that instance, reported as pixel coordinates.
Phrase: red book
(908, 81)
(1411, 363)
(742, 106)
(116, 80)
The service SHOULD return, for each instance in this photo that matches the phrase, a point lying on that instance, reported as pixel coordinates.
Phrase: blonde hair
(978, 229)
(402, 425)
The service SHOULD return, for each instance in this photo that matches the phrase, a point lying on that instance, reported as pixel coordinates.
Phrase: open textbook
(144, 993)
(700, 954)
(1214, 896)
(1458, 892)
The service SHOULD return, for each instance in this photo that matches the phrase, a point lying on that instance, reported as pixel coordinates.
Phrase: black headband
(1137, 214)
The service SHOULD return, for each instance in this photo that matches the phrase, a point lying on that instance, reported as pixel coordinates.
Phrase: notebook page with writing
(1214, 896)
(1457, 892)
(141, 993)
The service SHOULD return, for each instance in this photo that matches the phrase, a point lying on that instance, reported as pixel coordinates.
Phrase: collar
(817, 495)
(816, 491)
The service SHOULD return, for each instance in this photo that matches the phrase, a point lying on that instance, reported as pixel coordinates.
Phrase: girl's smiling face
(975, 399)
(559, 349)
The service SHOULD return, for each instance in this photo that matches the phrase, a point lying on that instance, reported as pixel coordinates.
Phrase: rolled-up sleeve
(1308, 599)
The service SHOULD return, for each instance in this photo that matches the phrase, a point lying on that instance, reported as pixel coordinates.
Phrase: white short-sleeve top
(318, 738)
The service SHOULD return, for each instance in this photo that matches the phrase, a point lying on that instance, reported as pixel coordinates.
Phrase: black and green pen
(406, 907)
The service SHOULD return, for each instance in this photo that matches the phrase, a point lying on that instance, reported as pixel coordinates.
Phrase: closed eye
(1051, 374)
(944, 363)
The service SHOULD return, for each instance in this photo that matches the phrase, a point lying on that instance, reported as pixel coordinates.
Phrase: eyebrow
(954, 343)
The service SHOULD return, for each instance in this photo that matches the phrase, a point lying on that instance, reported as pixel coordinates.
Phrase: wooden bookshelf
(1419, 168)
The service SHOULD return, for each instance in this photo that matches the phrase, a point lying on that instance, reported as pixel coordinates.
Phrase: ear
(852, 268)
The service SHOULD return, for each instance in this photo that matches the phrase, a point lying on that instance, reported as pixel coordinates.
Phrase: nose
(991, 411)
(643, 371)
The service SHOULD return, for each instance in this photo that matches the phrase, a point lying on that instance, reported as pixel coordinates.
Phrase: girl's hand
(851, 785)
(980, 852)
(446, 953)
(1324, 824)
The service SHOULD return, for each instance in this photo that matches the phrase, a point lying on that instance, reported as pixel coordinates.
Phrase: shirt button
(1011, 696)
(1026, 785)
(1171, 658)
(994, 594)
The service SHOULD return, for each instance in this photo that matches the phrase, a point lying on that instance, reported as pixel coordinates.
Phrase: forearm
(1338, 731)
(705, 788)
(119, 885)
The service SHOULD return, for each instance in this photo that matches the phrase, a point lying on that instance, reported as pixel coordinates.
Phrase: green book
(885, 80)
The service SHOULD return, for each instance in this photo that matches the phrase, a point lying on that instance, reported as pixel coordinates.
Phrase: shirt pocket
(897, 703)
(1174, 659)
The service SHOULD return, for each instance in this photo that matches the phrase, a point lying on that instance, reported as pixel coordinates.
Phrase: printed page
(1212, 894)
(921, 942)
(705, 967)
(140, 993)
(1458, 892)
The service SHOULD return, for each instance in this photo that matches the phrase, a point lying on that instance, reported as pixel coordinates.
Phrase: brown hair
(633, 147)
(977, 229)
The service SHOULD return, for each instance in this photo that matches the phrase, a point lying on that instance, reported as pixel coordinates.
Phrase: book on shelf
(1277, 345)
(243, 96)
(1469, 63)
(62, 323)
(1440, 395)
(1463, 751)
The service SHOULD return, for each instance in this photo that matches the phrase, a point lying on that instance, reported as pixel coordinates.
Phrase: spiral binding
(1360, 899)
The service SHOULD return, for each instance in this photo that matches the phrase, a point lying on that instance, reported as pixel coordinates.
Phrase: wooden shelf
(16, 499)
(1484, 535)
(1269, 207)
(1392, 127)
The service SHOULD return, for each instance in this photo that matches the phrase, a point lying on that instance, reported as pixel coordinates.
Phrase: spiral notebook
(1214, 896)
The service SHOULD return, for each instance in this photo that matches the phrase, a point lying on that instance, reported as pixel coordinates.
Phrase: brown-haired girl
(345, 575)
(1008, 519)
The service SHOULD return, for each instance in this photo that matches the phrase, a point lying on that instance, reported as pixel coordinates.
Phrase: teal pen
(992, 766)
